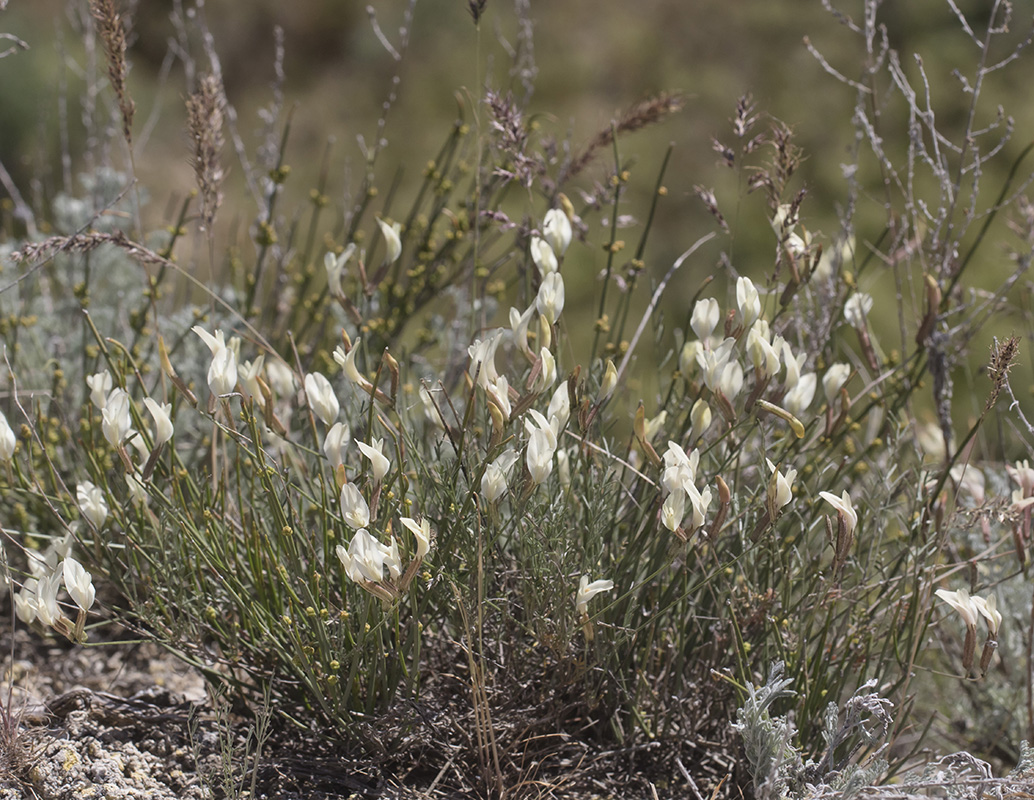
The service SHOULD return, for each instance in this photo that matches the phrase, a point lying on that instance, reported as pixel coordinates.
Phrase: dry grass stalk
(205, 122)
(647, 112)
(109, 26)
(1003, 356)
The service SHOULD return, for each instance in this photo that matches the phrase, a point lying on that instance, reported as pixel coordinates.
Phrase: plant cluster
(377, 461)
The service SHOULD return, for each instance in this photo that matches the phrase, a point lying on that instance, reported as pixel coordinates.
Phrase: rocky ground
(131, 722)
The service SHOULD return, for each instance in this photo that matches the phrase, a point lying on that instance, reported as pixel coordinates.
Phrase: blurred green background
(591, 61)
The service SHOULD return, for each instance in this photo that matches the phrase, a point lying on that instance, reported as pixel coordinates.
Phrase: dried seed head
(109, 27)
(1003, 355)
(647, 112)
(205, 121)
(476, 9)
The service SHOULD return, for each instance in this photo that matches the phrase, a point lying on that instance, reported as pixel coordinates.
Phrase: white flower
(794, 364)
(713, 361)
(222, 373)
(961, 602)
(556, 228)
(780, 487)
(100, 385)
(700, 415)
(335, 442)
(354, 508)
(392, 240)
(748, 302)
(680, 469)
(422, 531)
(800, 396)
(8, 441)
(547, 373)
(674, 509)
(322, 399)
(705, 317)
(364, 560)
(335, 266)
(25, 601)
(989, 611)
(493, 481)
(730, 381)
(654, 425)
(281, 378)
(92, 503)
(836, 376)
(482, 358)
(79, 583)
(519, 325)
(1019, 502)
(700, 501)
(541, 447)
(763, 355)
(347, 363)
(688, 357)
(587, 591)
(392, 559)
(115, 419)
(47, 609)
(857, 308)
(379, 463)
(249, 373)
(559, 410)
(844, 508)
(163, 429)
(550, 299)
(543, 256)
(499, 395)
(1023, 474)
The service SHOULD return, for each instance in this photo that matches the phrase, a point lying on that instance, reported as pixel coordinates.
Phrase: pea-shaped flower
(92, 503)
(336, 441)
(422, 532)
(79, 583)
(116, 422)
(354, 508)
(162, 421)
(587, 591)
(543, 256)
(379, 463)
(322, 399)
(392, 240)
(556, 229)
(550, 299)
(222, 372)
(100, 385)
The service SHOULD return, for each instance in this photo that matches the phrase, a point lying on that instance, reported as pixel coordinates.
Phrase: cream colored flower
(961, 602)
(392, 240)
(163, 429)
(557, 230)
(587, 591)
(844, 508)
(322, 399)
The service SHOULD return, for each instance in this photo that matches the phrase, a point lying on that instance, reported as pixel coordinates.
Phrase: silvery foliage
(776, 765)
(774, 762)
